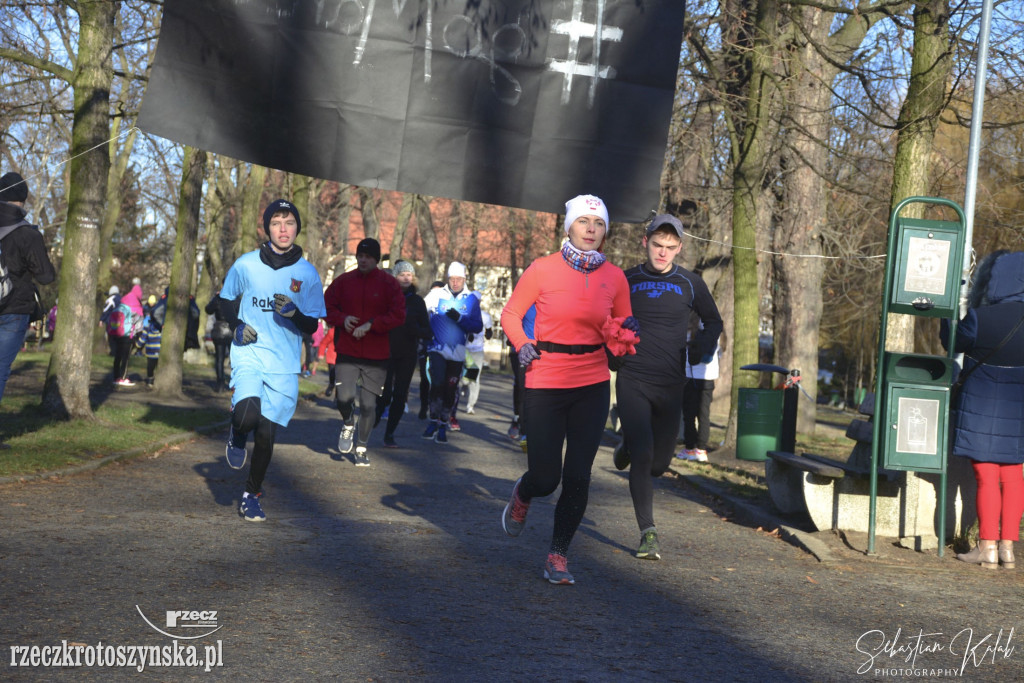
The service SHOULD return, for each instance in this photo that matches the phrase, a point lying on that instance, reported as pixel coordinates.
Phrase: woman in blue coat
(988, 413)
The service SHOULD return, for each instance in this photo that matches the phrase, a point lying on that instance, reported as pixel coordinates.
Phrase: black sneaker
(620, 456)
(389, 441)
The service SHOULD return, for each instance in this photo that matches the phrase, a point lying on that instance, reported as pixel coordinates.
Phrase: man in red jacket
(363, 305)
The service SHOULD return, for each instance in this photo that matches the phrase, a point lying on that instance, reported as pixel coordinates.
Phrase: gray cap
(665, 219)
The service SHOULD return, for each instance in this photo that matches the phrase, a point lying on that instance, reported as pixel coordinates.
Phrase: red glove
(619, 340)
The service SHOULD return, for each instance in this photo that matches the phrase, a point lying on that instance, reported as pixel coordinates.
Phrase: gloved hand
(488, 333)
(631, 324)
(470, 337)
(245, 334)
(528, 354)
(453, 314)
(284, 306)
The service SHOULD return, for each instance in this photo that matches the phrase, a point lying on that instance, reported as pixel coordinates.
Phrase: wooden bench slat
(832, 471)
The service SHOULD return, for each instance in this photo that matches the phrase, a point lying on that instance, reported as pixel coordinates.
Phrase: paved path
(401, 571)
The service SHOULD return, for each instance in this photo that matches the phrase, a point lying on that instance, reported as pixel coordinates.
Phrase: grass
(39, 442)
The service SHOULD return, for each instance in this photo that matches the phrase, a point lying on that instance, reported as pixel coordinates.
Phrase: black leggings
(396, 391)
(122, 352)
(220, 354)
(444, 385)
(246, 418)
(574, 417)
(650, 423)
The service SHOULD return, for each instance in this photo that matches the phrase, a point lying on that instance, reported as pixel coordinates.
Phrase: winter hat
(665, 219)
(13, 188)
(403, 267)
(281, 205)
(151, 300)
(456, 269)
(585, 205)
(369, 246)
(113, 290)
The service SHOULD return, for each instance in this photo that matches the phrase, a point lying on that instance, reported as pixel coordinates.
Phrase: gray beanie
(403, 267)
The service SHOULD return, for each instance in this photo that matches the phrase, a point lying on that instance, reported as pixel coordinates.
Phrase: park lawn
(39, 442)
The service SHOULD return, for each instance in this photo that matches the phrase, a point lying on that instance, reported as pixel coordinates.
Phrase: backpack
(123, 322)
(6, 283)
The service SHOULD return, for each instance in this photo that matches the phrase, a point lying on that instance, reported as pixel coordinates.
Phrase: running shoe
(235, 455)
(513, 519)
(649, 546)
(693, 454)
(124, 382)
(522, 443)
(360, 459)
(440, 436)
(387, 411)
(251, 510)
(556, 570)
(453, 424)
(389, 441)
(346, 437)
(470, 411)
(431, 428)
(513, 430)
(330, 390)
(620, 456)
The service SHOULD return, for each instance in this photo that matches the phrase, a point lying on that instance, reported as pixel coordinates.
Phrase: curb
(114, 457)
(765, 519)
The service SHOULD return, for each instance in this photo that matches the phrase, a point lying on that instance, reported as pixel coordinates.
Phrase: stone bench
(835, 494)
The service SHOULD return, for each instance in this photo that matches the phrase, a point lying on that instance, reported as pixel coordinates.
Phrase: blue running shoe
(235, 455)
(431, 428)
(556, 570)
(251, 510)
(440, 436)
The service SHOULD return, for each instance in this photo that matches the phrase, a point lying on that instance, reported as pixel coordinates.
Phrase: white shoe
(470, 411)
(125, 383)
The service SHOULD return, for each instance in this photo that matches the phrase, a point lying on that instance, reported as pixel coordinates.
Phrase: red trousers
(1000, 500)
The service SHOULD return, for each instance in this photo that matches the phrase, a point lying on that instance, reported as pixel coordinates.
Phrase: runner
(567, 381)
(454, 313)
(363, 305)
(649, 385)
(265, 355)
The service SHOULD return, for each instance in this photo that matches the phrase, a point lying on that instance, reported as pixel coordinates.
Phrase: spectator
(986, 411)
(220, 335)
(24, 256)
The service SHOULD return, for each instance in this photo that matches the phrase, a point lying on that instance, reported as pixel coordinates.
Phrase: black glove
(469, 337)
(245, 334)
(488, 333)
(453, 314)
(631, 324)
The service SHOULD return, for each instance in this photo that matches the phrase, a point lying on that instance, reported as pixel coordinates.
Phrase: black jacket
(405, 339)
(25, 256)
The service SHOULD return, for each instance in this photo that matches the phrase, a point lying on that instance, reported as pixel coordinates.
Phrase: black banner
(522, 103)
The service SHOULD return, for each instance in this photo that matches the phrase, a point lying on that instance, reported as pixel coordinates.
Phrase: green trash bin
(758, 423)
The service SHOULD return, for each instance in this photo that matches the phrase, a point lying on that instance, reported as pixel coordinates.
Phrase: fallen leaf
(811, 580)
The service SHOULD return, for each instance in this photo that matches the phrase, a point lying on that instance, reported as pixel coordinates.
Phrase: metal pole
(974, 145)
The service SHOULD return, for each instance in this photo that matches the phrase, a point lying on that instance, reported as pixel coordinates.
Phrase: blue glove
(453, 314)
(245, 334)
(284, 306)
(528, 354)
(631, 324)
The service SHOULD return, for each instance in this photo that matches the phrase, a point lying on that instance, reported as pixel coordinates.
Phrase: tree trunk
(750, 157)
(368, 208)
(112, 209)
(250, 223)
(401, 226)
(66, 390)
(212, 274)
(427, 272)
(930, 71)
(304, 197)
(167, 381)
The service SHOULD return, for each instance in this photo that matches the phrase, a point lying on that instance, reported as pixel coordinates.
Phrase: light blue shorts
(278, 394)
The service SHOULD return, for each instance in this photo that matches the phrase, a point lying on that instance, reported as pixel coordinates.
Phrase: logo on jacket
(296, 285)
